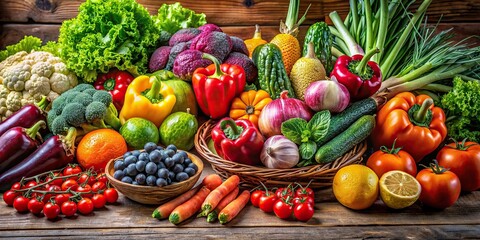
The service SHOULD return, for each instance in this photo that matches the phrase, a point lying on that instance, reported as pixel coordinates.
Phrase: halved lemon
(399, 189)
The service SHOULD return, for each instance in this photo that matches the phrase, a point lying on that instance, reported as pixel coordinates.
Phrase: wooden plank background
(42, 18)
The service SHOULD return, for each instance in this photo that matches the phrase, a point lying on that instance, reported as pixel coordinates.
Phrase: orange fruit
(98, 147)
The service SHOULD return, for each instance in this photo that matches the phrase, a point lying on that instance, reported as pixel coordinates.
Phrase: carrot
(165, 209)
(233, 208)
(190, 207)
(212, 181)
(213, 215)
(220, 192)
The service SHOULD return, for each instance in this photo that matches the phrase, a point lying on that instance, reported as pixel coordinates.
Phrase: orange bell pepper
(249, 105)
(418, 126)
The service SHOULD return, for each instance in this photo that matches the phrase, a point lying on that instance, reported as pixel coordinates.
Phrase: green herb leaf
(294, 128)
(319, 125)
(307, 150)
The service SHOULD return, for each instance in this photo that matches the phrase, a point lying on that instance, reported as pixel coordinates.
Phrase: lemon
(355, 186)
(399, 189)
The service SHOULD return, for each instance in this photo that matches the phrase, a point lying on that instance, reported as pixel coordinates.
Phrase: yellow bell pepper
(148, 98)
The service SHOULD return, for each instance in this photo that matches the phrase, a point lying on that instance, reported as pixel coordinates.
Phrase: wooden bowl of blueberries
(155, 174)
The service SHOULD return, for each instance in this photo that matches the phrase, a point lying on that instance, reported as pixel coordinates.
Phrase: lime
(399, 189)
(138, 131)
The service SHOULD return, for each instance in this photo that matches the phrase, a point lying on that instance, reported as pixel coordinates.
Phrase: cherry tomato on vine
(57, 181)
(282, 208)
(29, 184)
(9, 196)
(299, 200)
(85, 206)
(99, 200)
(69, 208)
(102, 178)
(61, 198)
(35, 206)
(440, 187)
(304, 192)
(255, 197)
(111, 195)
(267, 201)
(21, 204)
(284, 192)
(85, 189)
(16, 186)
(69, 184)
(98, 186)
(303, 211)
(72, 169)
(85, 178)
(51, 210)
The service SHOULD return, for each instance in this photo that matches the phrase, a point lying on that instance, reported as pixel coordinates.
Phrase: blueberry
(162, 173)
(161, 182)
(129, 160)
(169, 162)
(118, 174)
(161, 165)
(150, 146)
(125, 171)
(187, 161)
(132, 170)
(171, 175)
(151, 168)
(178, 158)
(136, 153)
(192, 165)
(135, 183)
(143, 157)
(190, 171)
(127, 154)
(183, 153)
(160, 148)
(155, 156)
(170, 152)
(177, 168)
(119, 165)
(151, 180)
(127, 179)
(172, 147)
(140, 178)
(181, 176)
(140, 165)
(164, 155)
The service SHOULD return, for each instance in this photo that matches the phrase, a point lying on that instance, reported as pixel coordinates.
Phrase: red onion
(279, 111)
(327, 95)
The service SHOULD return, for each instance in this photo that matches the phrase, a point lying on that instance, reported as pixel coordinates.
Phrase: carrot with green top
(212, 181)
(190, 207)
(213, 215)
(218, 193)
(234, 208)
(164, 210)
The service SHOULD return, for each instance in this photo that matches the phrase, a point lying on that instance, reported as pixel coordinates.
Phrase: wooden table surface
(130, 220)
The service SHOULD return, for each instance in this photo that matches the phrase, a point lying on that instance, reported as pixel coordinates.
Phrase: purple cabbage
(183, 35)
(159, 58)
(187, 61)
(217, 44)
(240, 59)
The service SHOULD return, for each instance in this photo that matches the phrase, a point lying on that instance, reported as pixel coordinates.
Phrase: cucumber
(343, 120)
(345, 141)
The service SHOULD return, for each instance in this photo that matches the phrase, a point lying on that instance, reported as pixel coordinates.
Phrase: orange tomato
(385, 160)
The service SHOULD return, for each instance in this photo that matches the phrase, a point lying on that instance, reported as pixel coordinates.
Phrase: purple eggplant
(54, 153)
(26, 116)
(17, 143)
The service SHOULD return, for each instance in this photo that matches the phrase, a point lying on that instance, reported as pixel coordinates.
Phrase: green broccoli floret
(103, 97)
(74, 114)
(82, 87)
(50, 118)
(90, 91)
(99, 115)
(59, 125)
(58, 105)
(83, 98)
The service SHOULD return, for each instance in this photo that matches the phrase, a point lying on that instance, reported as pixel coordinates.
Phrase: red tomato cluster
(66, 192)
(286, 202)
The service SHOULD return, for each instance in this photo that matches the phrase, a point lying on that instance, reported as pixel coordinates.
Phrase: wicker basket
(251, 176)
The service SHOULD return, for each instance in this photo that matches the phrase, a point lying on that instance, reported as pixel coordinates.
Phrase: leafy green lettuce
(28, 43)
(173, 17)
(462, 106)
(107, 34)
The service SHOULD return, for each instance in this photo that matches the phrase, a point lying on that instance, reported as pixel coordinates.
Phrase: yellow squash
(254, 42)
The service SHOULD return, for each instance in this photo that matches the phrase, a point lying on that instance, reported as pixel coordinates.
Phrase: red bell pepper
(361, 77)
(238, 141)
(216, 86)
(116, 83)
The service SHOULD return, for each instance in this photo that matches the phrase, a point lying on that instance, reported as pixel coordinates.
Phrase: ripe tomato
(463, 159)
(51, 210)
(303, 211)
(98, 186)
(85, 206)
(304, 192)
(16, 186)
(70, 184)
(282, 209)
(284, 192)
(99, 200)
(385, 160)
(102, 178)
(85, 178)
(29, 184)
(111, 195)
(299, 200)
(21, 204)
(85, 189)
(69, 208)
(440, 187)
(9, 196)
(255, 197)
(57, 181)
(35, 206)
(61, 198)
(72, 169)
(267, 202)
